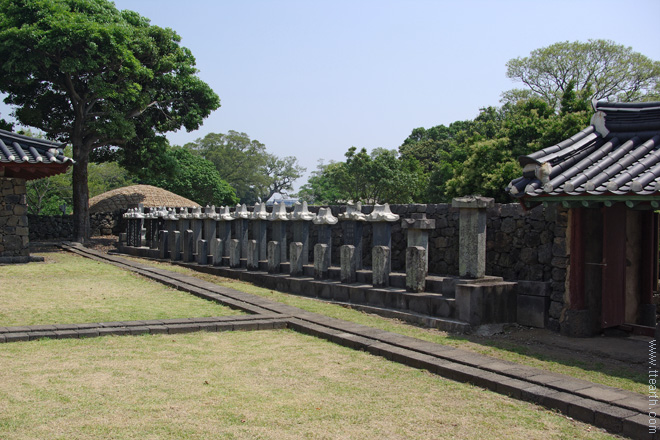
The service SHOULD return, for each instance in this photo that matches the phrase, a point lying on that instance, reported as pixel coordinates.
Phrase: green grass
(594, 372)
(71, 289)
(246, 385)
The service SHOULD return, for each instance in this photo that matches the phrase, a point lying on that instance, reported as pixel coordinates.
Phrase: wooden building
(608, 175)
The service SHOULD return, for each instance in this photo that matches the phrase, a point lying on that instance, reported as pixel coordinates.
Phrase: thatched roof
(131, 196)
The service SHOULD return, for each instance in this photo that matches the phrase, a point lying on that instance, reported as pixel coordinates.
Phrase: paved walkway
(619, 411)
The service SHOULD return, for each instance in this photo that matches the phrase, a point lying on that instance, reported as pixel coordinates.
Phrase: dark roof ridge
(38, 143)
(626, 117)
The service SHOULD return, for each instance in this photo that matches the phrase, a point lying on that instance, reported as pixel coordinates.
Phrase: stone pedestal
(296, 258)
(234, 253)
(171, 224)
(175, 252)
(216, 251)
(380, 261)
(321, 261)
(416, 264)
(274, 255)
(183, 223)
(253, 255)
(348, 264)
(472, 235)
(300, 218)
(301, 235)
(259, 217)
(242, 235)
(352, 231)
(279, 236)
(197, 226)
(188, 244)
(486, 303)
(224, 234)
(259, 228)
(163, 249)
(202, 252)
(210, 229)
(352, 221)
(418, 228)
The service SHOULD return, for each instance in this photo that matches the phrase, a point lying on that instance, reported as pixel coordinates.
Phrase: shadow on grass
(586, 361)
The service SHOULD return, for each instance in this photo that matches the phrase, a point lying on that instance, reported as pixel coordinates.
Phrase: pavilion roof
(30, 158)
(615, 159)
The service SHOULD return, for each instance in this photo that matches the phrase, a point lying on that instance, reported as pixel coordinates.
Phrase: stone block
(202, 252)
(175, 252)
(380, 258)
(274, 257)
(532, 311)
(253, 255)
(487, 303)
(348, 264)
(188, 244)
(415, 268)
(234, 253)
(321, 261)
(296, 258)
(163, 246)
(216, 251)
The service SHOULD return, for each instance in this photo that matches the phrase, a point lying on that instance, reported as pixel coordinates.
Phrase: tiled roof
(616, 157)
(121, 199)
(29, 158)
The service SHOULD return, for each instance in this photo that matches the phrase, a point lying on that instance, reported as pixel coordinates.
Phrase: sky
(311, 78)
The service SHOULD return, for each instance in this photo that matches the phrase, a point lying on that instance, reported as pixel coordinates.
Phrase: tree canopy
(88, 74)
(599, 69)
(194, 178)
(376, 177)
(246, 165)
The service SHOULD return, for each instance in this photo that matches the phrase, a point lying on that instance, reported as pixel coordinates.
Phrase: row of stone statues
(206, 235)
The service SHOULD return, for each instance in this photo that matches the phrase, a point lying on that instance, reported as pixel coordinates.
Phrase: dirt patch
(103, 243)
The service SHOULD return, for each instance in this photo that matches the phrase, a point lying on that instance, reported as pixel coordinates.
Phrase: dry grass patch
(69, 289)
(268, 385)
(601, 373)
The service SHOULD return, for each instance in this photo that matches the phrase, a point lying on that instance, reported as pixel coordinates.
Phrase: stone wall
(521, 245)
(14, 237)
(50, 227)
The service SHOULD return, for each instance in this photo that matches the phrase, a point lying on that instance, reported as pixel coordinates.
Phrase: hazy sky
(311, 78)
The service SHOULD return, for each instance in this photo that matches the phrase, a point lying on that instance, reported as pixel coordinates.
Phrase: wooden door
(614, 266)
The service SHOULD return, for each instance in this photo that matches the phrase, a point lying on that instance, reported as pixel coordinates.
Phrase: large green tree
(246, 165)
(193, 177)
(604, 69)
(88, 74)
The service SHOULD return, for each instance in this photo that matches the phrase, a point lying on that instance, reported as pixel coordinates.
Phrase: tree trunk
(80, 194)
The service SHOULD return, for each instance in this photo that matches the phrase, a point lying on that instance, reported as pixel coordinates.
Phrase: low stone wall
(51, 227)
(521, 245)
(14, 238)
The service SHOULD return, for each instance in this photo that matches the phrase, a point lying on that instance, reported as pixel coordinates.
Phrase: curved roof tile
(619, 157)
(30, 158)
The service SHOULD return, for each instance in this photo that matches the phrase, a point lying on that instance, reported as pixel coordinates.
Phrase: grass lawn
(594, 372)
(246, 385)
(70, 289)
